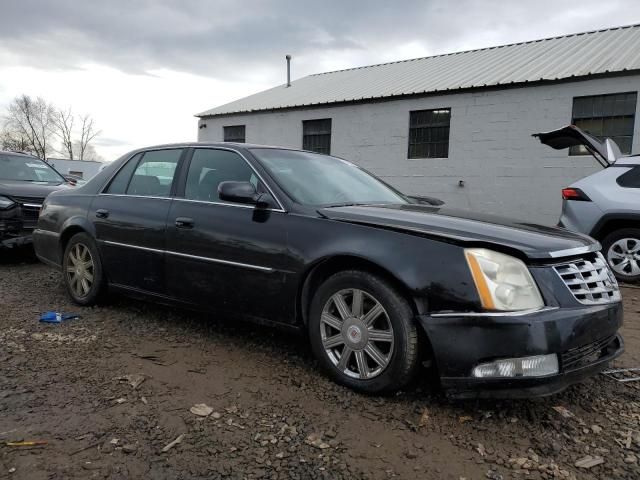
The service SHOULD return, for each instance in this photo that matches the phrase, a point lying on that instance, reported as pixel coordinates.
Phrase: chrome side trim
(494, 314)
(126, 245)
(223, 262)
(133, 196)
(38, 231)
(236, 205)
(193, 257)
(576, 251)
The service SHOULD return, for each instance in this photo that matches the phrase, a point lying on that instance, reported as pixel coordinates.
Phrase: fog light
(537, 366)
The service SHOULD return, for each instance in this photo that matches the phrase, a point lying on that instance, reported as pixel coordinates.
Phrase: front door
(130, 220)
(227, 256)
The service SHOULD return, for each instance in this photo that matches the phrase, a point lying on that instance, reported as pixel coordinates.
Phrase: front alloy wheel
(356, 333)
(362, 331)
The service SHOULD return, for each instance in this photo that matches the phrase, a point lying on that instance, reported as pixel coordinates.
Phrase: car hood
(29, 189)
(472, 228)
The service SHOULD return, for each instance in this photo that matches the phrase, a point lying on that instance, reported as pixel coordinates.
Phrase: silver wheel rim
(624, 256)
(357, 334)
(80, 270)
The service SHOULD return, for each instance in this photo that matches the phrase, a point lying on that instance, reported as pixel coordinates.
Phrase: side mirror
(243, 192)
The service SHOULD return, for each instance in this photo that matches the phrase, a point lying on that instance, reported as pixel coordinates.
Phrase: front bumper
(16, 226)
(585, 339)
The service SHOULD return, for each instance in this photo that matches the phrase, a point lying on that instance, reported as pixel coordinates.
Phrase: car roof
(22, 154)
(215, 144)
(628, 160)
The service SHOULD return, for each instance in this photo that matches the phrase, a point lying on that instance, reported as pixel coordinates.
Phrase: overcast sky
(143, 68)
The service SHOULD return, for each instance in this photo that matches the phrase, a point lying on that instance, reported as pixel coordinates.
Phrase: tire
(385, 314)
(82, 248)
(621, 248)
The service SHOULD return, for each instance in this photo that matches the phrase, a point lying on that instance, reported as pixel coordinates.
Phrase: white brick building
(458, 126)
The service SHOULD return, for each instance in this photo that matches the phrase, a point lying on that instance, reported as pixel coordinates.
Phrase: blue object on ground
(58, 317)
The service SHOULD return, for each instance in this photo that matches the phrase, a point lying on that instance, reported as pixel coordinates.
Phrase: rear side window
(630, 179)
(118, 185)
(154, 174)
(209, 168)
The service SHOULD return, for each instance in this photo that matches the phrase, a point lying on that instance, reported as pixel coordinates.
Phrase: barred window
(316, 135)
(429, 133)
(234, 133)
(606, 116)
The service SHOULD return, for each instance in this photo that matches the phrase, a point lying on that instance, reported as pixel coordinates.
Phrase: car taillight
(574, 194)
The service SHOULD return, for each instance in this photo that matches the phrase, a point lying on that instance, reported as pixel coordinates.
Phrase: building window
(429, 133)
(316, 135)
(234, 133)
(606, 116)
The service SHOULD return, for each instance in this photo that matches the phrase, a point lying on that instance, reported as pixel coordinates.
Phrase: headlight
(5, 202)
(503, 282)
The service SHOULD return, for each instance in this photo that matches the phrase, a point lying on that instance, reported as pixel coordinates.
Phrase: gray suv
(606, 204)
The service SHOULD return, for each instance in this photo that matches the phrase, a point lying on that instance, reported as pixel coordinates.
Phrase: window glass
(316, 135)
(630, 179)
(234, 133)
(429, 133)
(606, 116)
(24, 168)
(119, 183)
(314, 180)
(210, 167)
(154, 174)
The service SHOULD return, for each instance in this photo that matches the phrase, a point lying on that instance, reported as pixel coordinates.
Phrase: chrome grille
(590, 280)
(28, 200)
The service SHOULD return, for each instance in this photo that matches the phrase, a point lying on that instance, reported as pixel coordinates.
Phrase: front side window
(27, 169)
(320, 180)
(606, 116)
(234, 133)
(316, 135)
(209, 168)
(429, 133)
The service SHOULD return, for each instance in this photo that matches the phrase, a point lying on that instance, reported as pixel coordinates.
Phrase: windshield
(27, 169)
(321, 180)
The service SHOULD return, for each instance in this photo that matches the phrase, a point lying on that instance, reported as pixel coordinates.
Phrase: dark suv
(25, 181)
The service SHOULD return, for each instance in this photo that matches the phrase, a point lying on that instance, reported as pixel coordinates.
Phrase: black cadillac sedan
(380, 281)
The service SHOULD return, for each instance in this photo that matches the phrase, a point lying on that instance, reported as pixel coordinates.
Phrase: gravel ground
(111, 391)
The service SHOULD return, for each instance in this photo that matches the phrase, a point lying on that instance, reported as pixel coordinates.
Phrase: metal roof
(606, 51)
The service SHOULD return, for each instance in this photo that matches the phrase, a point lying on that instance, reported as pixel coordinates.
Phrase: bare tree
(64, 120)
(14, 141)
(33, 121)
(87, 134)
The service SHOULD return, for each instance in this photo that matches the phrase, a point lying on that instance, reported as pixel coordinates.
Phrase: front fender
(428, 269)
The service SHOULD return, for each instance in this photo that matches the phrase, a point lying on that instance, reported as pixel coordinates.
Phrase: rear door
(130, 220)
(223, 255)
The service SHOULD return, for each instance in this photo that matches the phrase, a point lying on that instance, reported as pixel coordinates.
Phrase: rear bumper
(585, 339)
(46, 245)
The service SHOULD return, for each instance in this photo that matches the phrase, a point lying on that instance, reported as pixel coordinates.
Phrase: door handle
(184, 222)
(102, 213)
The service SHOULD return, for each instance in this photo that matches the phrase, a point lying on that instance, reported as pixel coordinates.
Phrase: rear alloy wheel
(362, 332)
(622, 249)
(82, 270)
